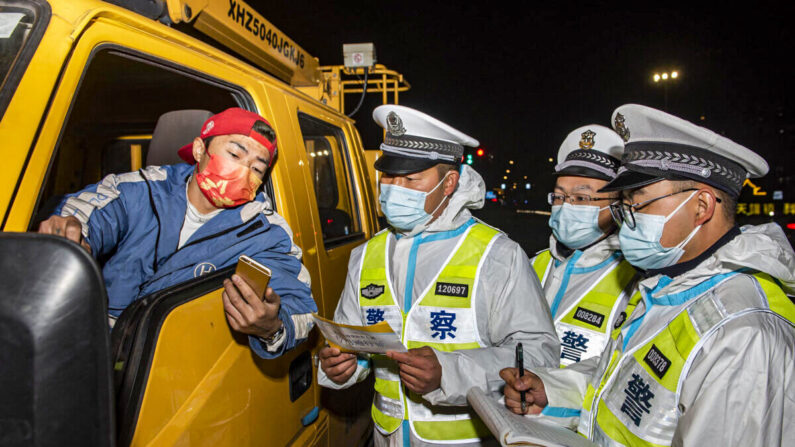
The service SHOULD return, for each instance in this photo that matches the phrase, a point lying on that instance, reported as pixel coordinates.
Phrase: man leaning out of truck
(165, 225)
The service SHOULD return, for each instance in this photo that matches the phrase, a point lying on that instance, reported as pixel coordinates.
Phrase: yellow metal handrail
(339, 81)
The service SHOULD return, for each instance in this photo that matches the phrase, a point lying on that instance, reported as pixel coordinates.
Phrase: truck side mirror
(55, 373)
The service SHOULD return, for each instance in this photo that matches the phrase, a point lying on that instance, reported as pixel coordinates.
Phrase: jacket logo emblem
(589, 317)
(657, 361)
(203, 269)
(450, 289)
(372, 291)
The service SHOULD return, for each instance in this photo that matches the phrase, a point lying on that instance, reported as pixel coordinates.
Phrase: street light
(663, 78)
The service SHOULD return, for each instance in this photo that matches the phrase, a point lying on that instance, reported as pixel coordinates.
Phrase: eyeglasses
(554, 198)
(624, 213)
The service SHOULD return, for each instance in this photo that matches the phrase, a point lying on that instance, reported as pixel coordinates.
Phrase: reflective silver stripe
(389, 407)
(82, 205)
(704, 314)
(600, 438)
(303, 324)
(424, 411)
(417, 153)
(582, 163)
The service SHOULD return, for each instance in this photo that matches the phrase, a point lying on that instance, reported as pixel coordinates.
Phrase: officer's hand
(245, 311)
(338, 366)
(535, 397)
(420, 370)
(68, 227)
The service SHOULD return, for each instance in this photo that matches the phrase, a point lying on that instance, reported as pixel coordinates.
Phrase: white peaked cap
(590, 151)
(415, 141)
(662, 146)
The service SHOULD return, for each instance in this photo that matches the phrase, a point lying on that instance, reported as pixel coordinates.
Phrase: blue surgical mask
(404, 208)
(576, 226)
(641, 245)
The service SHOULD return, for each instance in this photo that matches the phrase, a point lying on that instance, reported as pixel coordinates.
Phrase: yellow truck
(92, 87)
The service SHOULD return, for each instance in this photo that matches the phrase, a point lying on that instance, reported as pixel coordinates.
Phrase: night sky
(520, 79)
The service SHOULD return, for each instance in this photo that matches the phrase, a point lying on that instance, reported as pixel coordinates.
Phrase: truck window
(115, 110)
(21, 25)
(331, 172)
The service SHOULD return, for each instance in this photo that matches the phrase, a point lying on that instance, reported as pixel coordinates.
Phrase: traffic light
(469, 159)
(480, 152)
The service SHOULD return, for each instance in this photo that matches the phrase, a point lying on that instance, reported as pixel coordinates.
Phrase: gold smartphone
(255, 274)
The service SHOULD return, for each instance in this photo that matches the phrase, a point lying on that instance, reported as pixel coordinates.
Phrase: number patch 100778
(450, 289)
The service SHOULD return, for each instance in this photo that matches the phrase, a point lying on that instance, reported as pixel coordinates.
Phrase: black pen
(520, 366)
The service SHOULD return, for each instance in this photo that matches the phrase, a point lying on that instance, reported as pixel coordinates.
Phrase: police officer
(586, 281)
(706, 357)
(459, 292)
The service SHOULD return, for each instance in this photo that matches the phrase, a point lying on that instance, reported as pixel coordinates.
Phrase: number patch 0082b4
(450, 289)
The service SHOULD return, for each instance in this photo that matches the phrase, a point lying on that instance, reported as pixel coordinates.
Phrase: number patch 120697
(450, 289)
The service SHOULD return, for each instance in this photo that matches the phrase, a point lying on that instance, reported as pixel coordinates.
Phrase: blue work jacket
(133, 221)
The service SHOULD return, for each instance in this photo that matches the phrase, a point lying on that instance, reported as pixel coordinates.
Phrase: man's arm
(513, 311)
(99, 209)
(291, 283)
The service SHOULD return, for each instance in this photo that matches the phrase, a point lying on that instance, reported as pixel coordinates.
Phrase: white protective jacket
(514, 309)
(739, 389)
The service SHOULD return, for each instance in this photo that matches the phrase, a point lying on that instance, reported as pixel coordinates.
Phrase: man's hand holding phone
(246, 310)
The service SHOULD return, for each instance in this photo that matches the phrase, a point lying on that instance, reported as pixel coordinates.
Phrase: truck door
(341, 207)
(182, 376)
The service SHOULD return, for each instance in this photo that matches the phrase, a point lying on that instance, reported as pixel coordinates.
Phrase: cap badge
(621, 128)
(394, 125)
(208, 127)
(587, 140)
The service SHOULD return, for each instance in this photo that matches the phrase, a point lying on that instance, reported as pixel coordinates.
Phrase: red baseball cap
(229, 122)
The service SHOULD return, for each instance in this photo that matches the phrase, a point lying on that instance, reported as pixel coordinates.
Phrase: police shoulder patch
(372, 291)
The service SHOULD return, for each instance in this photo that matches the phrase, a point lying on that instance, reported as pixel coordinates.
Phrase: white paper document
(512, 429)
(376, 339)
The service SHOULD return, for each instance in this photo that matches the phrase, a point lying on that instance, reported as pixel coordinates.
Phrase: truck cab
(85, 84)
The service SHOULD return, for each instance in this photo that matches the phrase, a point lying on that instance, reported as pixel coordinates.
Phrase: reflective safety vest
(443, 318)
(635, 399)
(584, 328)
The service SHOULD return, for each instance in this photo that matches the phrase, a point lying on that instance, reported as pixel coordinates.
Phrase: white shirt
(193, 220)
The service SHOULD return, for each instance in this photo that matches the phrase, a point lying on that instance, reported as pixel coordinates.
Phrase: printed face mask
(404, 208)
(576, 226)
(641, 245)
(227, 184)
